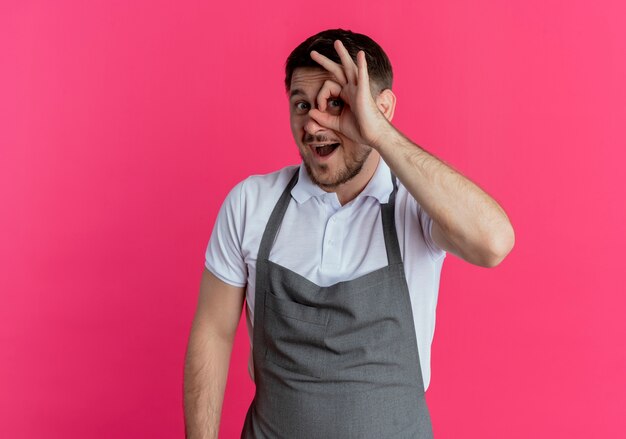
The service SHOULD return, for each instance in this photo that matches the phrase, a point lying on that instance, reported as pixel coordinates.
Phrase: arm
(466, 221)
(208, 355)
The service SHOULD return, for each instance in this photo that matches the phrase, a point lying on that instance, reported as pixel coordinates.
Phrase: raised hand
(360, 120)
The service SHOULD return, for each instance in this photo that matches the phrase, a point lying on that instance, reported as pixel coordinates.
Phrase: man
(339, 260)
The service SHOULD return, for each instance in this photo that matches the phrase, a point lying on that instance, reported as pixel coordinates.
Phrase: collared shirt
(326, 242)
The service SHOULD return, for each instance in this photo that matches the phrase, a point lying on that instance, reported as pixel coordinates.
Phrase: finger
(329, 89)
(325, 119)
(329, 65)
(348, 64)
(364, 77)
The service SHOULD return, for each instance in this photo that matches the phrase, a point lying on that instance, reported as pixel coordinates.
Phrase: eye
(301, 107)
(335, 106)
(335, 102)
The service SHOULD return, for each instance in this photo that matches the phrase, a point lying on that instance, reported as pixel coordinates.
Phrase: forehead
(308, 80)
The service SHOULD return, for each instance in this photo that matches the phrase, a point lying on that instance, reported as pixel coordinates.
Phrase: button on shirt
(326, 242)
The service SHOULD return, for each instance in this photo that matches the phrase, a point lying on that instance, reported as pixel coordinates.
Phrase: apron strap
(388, 216)
(273, 224)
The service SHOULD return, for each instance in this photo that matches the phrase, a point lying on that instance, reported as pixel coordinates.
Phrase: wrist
(385, 134)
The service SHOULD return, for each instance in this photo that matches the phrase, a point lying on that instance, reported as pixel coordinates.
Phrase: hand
(361, 120)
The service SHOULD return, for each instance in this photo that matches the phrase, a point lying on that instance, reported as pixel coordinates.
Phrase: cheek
(352, 150)
(296, 132)
(294, 127)
(293, 121)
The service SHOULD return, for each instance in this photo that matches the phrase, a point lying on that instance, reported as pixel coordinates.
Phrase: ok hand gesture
(361, 120)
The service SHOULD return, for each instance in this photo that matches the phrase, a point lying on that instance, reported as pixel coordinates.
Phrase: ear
(386, 103)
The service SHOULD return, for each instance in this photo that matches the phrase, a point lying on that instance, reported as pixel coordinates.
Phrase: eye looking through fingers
(335, 105)
(329, 91)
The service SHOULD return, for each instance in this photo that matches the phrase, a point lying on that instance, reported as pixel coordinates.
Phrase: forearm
(468, 216)
(206, 371)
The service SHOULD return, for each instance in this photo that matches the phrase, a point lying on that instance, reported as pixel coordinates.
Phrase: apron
(336, 362)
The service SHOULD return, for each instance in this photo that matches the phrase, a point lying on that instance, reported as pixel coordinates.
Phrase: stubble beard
(343, 175)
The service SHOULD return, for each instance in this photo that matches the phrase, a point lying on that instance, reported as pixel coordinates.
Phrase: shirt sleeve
(223, 255)
(427, 224)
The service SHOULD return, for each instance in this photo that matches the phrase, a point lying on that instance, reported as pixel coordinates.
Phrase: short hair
(378, 64)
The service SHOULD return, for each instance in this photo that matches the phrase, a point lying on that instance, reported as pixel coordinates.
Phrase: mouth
(323, 150)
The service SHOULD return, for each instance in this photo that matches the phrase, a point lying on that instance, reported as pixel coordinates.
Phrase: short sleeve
(427, 224)
(223, 254)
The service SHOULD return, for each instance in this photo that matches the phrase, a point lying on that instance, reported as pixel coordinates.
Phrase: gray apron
(336, 362)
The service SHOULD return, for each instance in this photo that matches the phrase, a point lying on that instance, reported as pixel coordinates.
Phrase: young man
(339, 262)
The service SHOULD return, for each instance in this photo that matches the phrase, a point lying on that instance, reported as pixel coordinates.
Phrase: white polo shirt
(326, 242)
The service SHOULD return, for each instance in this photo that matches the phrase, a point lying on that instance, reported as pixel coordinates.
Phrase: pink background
(124, 124)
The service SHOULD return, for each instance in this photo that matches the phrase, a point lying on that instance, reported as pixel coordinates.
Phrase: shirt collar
(379, 186)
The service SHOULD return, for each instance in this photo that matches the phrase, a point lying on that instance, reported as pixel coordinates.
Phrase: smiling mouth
(324, 150)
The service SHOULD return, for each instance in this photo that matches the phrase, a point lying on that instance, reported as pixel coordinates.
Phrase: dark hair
(378, 65)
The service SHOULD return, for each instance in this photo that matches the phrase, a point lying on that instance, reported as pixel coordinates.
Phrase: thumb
(324, 119)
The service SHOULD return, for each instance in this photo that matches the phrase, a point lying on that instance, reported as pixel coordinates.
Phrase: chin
(335, 172)
(333, 178)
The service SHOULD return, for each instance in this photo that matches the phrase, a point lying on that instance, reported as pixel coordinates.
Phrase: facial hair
(353, 165)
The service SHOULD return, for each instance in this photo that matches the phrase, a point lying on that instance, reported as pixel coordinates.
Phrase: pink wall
(124, 124)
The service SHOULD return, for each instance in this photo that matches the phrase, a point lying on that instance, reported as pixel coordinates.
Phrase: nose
(312, 127)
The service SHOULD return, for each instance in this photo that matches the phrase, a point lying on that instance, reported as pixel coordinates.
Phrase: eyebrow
(296, 92)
